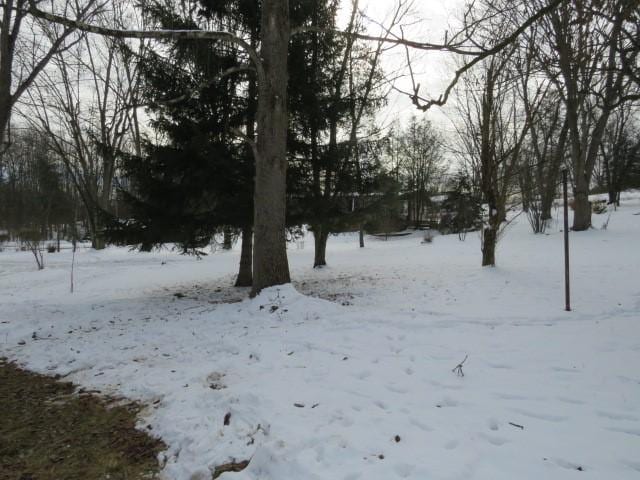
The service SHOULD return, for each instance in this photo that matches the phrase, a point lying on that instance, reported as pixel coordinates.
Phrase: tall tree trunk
(270, 265)
(227, 241)
(581, 210)
(95, 229)
(361, 234)
(245, 274)
(320, 237)
(6, 62)
(489, 241)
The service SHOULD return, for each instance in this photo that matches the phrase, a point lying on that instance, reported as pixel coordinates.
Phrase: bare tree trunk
(227, 239)
(96, 229)
(581, 208)
(361, 234)
(270, 251)
(245, 275)
(489, 241)
(320, 237)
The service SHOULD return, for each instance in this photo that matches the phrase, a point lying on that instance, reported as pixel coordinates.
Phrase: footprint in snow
(380, 405)
(493, 424)
(493, 439)
(572, 401)
(617, 416)
(629, 431)
(568, 465)
(540, 416)
(500, 366)
(447, 402)
(633, 465)
(397, 389)
(404, 470)
(363, 375)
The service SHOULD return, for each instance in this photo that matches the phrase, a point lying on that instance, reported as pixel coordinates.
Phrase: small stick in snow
(458, 368)
(516, 425)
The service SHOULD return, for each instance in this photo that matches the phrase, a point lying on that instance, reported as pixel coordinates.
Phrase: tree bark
(320, 237)
(227, 239)
(245, 274)
(489, 240)
(95, 229)
(361, 235)
(581, 210)
(270, 265)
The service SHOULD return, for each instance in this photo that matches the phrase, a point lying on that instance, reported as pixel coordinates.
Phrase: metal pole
(567, 295)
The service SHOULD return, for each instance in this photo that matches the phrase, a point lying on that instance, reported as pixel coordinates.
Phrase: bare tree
(87, 125)
(544, 149)
(619, 154)
(492, 136)
(422, 166)
(26, 46)
(583, 60)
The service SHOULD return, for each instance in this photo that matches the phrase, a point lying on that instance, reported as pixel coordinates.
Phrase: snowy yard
(357, 383)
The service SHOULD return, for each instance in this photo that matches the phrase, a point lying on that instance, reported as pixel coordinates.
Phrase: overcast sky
(433, 70)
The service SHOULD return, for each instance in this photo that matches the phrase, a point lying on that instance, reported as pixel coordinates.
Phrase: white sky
(433, 70)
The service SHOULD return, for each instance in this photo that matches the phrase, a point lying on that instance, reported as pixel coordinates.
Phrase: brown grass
(49, 432)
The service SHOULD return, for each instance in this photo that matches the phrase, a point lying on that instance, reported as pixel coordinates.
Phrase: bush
(51, 248)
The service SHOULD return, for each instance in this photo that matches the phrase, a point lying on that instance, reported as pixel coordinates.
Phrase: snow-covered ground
(349, 374)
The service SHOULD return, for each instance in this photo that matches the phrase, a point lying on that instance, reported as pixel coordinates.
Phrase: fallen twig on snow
(458, 368)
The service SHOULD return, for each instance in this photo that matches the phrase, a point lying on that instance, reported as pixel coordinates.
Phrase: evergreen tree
(199, 176)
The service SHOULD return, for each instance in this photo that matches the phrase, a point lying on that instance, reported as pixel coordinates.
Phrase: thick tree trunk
(320, 237)
(95, 227)
(270, 265)
(245, 274)
(361, 237)
(489, 240)
(545, 205)
(581, 211)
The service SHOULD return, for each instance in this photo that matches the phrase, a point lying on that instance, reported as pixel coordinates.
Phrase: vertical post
(567, 296)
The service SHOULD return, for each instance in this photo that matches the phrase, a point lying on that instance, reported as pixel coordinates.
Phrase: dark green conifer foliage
(196, 177)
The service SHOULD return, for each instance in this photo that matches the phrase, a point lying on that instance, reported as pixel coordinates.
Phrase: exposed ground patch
(48, 431)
